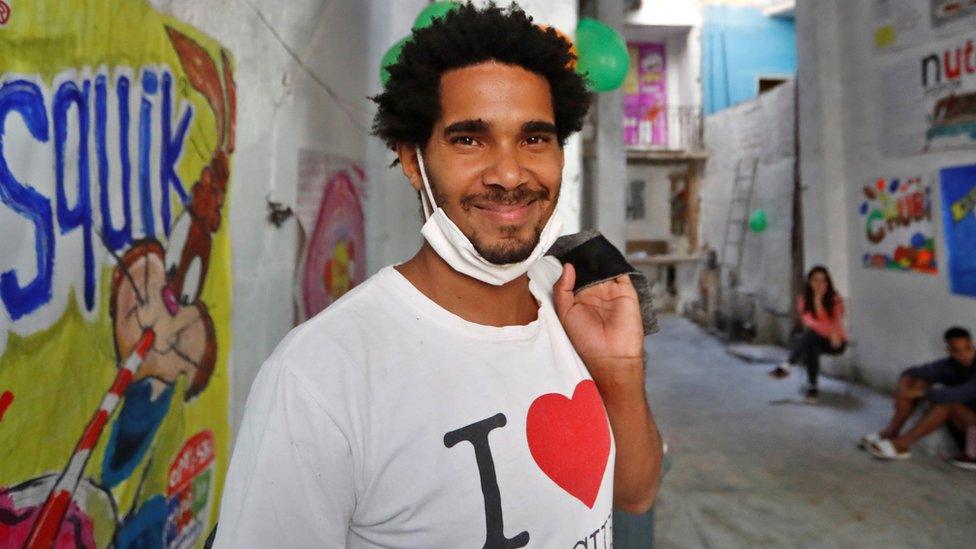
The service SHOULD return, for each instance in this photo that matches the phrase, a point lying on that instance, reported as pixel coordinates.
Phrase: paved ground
(753, 466)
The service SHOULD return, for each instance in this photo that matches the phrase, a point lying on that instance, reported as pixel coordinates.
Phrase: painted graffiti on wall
(928, 99)
(900, 24)
(332, 258)
(116, 134)
(896, 216)
(959, 220)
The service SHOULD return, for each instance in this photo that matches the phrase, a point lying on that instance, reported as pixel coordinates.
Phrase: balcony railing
(677, 129)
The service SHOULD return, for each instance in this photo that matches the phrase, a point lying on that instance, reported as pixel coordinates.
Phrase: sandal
(884, 449)
(868, 439)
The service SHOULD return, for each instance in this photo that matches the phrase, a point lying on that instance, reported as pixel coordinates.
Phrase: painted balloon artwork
(330, 210)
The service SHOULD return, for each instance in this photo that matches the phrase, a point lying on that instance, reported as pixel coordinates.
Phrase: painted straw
(48, 522)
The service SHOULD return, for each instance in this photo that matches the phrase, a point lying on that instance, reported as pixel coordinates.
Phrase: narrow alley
(754, 466)
(271, 273)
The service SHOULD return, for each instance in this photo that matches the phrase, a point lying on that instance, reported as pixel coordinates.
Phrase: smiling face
(493, 159)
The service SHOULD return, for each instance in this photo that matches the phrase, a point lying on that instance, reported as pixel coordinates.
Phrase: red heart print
(570, 440)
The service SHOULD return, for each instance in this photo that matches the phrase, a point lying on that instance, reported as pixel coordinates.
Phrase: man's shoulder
(335, 333)
(371, 295)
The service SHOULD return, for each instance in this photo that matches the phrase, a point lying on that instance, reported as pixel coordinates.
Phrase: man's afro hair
(410, 103)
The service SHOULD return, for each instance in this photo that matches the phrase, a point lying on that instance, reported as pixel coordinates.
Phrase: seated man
(948, 384)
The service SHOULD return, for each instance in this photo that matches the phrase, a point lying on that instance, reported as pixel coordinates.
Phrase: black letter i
(477, 435)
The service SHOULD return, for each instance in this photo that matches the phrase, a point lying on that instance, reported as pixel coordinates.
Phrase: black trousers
(807, 348)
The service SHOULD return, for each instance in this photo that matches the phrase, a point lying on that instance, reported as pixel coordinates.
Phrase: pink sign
(646, 97)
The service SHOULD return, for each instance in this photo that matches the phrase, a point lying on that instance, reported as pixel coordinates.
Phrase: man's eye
(464, 140)
(537, 139)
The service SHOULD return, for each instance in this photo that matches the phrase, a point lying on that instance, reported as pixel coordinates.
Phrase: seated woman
(821, 310)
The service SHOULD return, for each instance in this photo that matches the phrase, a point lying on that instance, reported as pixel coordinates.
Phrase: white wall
(393, 210)
(674, 13)
(656, 224)
(764, 129)
(281, 109)
(896, 318)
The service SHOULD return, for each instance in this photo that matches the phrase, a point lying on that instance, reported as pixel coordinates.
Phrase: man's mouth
(505, 214)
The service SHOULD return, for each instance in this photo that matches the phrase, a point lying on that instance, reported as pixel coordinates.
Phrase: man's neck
(511, 304)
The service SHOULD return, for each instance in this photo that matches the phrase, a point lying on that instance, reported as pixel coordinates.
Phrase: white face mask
(450, 243)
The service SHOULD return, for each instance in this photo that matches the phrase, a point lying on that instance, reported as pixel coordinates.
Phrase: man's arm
(949, 394)
(604, 324)
(932, 372)
(290, 480)
(637, 468)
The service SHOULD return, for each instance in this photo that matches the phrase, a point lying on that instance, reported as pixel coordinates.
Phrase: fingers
(562, 295)
(568, 279)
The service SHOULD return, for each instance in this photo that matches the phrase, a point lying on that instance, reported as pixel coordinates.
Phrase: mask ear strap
(427, 197)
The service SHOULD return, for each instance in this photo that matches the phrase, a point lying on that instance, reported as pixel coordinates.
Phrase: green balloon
(757, 221)
(391, 56)
(431, 12)
(603, 57)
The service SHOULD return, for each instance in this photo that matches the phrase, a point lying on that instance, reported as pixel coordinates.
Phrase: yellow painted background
(59, 375)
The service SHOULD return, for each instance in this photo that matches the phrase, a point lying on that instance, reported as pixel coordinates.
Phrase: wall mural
(928, 96)
(896, 217)
(117, 128)
(959, 219)
(901, 24)
(332, 257)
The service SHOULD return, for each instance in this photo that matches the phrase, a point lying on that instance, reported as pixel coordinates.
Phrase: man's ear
(407, 153)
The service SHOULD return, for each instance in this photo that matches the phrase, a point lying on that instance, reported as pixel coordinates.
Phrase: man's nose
(505, 170)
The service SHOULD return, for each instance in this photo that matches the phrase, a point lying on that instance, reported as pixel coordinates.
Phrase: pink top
(822, 323)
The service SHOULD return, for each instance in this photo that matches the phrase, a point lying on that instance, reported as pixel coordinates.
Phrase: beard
(510, 249)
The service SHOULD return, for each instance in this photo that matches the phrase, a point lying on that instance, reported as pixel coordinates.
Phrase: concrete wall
(763, 129)
(282, 109)
(656, 224)
(896, 318)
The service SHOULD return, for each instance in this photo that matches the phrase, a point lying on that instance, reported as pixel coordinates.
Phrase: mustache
(505, 197)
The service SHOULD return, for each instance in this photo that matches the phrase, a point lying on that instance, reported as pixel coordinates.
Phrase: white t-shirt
(387, 421)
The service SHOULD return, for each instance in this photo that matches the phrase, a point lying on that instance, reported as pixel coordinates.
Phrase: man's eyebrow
(467, 126)
(539, 126)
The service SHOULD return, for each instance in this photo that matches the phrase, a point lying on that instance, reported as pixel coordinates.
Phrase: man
(948, 384)
(465, 398)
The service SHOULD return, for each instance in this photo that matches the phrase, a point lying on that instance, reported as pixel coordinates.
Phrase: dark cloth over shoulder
(596, 260)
